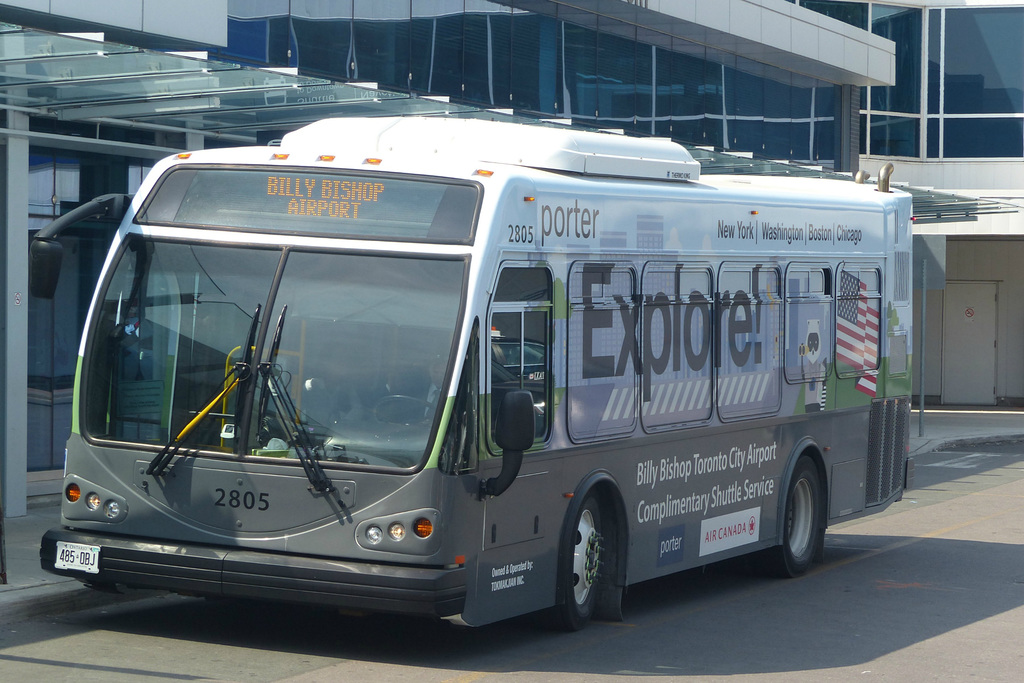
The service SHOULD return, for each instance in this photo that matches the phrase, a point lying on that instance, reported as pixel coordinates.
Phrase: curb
(939, 444)
(30, 602)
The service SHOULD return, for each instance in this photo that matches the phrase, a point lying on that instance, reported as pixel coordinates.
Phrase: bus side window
(520, 341)
(749, 321)
(676, 356)
(808, 338)
(603, 356)
(858, 324)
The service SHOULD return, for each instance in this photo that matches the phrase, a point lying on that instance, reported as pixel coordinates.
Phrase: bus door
(518, 563)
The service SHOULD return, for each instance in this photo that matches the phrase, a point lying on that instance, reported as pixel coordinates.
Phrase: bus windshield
(361, 353)
(362, 206)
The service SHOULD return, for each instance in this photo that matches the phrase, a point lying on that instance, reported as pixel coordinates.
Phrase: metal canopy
(76, 79)
(929, 206)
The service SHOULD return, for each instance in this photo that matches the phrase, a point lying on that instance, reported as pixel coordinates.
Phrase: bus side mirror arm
(46, 252)
(514, 433)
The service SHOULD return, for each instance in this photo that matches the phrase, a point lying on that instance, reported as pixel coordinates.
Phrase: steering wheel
(402, 409)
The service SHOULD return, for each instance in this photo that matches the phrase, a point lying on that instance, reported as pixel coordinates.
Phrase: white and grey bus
(473, 369)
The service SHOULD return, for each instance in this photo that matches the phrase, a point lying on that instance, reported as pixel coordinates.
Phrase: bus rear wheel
(802, 527)
(581, 568)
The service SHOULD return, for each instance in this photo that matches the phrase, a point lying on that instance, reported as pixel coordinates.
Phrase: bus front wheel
(802, 528)
(580, 568)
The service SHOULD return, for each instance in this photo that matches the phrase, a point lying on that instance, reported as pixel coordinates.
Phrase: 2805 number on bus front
(233, 498)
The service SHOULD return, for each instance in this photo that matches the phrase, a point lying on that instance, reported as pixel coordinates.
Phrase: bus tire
(581, 567)
(801, 524)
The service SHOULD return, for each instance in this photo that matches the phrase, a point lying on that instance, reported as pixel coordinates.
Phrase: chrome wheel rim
(585, 557)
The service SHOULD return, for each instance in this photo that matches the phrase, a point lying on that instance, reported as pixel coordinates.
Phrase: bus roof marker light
(278, 157)
(484, 172)
(373, 161)
(185, 155)
(325, 157)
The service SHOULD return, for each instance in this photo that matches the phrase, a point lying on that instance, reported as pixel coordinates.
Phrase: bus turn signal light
(423, 527)
(73, 493)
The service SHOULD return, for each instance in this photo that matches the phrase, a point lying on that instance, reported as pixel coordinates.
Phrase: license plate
(78, 557)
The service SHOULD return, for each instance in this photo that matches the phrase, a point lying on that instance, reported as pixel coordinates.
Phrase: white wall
(982, 260)
(203, 21)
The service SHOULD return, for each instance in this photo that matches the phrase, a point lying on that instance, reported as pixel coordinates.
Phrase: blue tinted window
(644, 101)
(934, 55)
(486, 64)
(902, 26)
(247, 39)
(894, 136)
(580, 70)
(984, 69)
(537, 55)
(983, 138)
(824, 141)
(616, 79)
(323, 45)
(436, 54)
(382, 47)
(933, 138)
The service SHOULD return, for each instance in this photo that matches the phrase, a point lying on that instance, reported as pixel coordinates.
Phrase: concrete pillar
(14, 316)
(847, 128)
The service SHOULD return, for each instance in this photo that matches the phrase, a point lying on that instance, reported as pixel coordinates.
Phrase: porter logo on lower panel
(729, 531)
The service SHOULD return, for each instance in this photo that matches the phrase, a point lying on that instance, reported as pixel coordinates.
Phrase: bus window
(603, 360)
(808, 332)
(170, 316)
(520, 341)
(749, 324)
(676, 354)
(858, 316)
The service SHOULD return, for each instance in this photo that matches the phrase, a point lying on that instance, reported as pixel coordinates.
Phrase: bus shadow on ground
(873, 596)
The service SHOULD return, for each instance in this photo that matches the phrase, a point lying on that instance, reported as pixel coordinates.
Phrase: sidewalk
(31, 592)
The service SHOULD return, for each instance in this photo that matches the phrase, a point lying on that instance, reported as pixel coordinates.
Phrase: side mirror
(45, 256)
(46, 252)
(514, 433)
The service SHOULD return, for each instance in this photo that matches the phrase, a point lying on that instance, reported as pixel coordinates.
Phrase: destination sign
(367, 206)
(311, 196)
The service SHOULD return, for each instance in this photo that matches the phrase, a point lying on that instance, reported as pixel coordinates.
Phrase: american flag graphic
(857, 323)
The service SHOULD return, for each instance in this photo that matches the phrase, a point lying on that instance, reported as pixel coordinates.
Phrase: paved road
(931, 590)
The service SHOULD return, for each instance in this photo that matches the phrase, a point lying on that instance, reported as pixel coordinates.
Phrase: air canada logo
(729, 531)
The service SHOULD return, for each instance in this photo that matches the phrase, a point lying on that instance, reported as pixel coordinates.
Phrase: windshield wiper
(239, 373)
(275, 389)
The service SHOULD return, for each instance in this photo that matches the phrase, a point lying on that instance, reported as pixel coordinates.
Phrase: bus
(471, 369)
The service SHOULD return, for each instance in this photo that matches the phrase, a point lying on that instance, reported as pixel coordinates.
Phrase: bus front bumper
(235, 573)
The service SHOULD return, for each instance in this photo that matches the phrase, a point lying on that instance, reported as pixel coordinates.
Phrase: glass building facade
(959, 92)
(565, 63)
(60, 180)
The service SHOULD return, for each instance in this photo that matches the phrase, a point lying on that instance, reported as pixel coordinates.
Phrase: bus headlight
(409, 532)
(112, 509)
(92, 501)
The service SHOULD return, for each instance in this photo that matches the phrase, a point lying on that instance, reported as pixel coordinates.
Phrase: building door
(969, 343)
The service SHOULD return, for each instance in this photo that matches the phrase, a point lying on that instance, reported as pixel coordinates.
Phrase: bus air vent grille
(888, 433)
